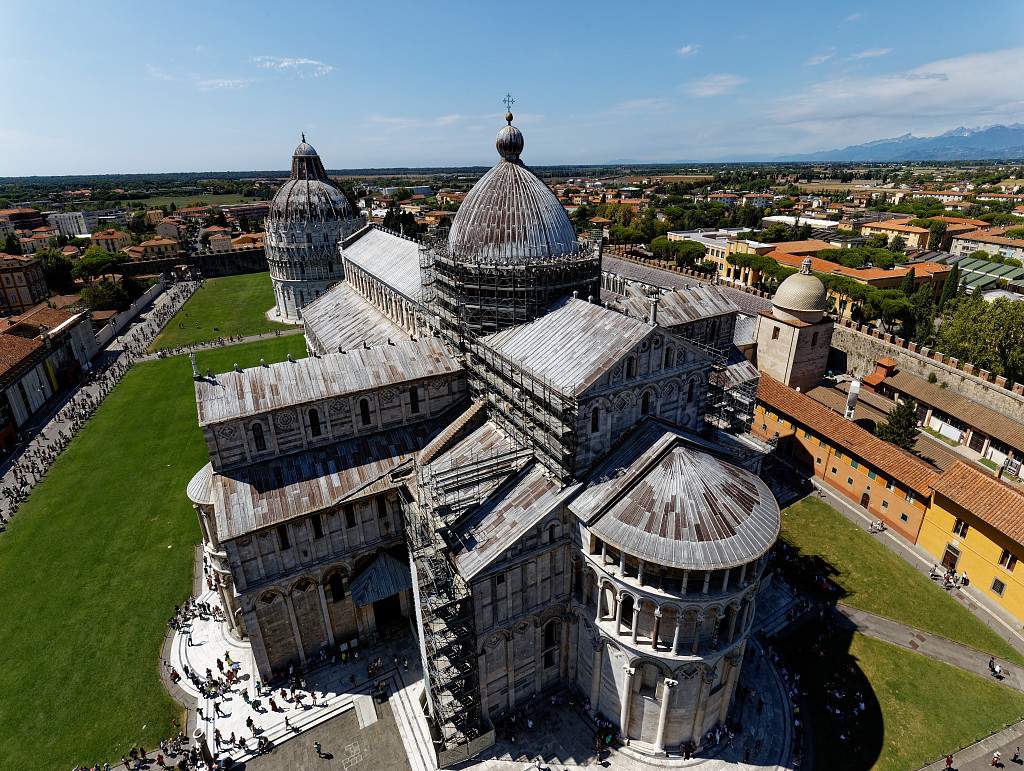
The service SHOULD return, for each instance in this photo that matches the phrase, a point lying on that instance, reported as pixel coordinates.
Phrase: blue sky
(104, 87)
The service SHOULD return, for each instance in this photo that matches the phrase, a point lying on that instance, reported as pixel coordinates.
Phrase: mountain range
(960, 144)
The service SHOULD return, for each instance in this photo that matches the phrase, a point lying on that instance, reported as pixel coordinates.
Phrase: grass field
(201, 199)
(875, 579)
(92, 566)
(232, 305)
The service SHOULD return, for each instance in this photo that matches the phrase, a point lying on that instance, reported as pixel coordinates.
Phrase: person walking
(317, 749)
(949, 761)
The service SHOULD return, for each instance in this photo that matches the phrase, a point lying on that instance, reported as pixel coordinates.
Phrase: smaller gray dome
(509, 141)
(802, 291)
(304, 149)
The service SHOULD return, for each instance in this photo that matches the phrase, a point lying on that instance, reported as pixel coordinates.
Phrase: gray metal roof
(573, 345)
(343, 318)
(505, 517)
(748, 303)
(745, 329)
(510, 216)
(257, 390)
(309, 194)
(679, 306)
(266, 494)
(384, 577)
(393, 259)
(660, 499)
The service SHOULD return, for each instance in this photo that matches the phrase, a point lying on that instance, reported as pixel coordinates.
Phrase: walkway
(931, 645)
(164, 353)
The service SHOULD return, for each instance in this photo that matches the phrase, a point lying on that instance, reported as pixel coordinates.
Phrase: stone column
(698, 624)
(627, 701)
(675, 634)
(657, 628)
(259, 649)
(635, 622)
(622, 562)
(327, 614)
(666, 698)
(295, 628)
(707, 582)
(481, 665)
(640, 572)
(743, 574)
(538, 657)
(510, 668)
(597, 665)
(707, 676)
(734, 613)
(686, 580)
(600, 594)
(734, 660)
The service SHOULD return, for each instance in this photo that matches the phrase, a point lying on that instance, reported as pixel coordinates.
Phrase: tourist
(995, 758)
(317, 749)
(949, 761)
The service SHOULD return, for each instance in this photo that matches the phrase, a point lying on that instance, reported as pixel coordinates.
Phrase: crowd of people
(34, 459)
(217, 342)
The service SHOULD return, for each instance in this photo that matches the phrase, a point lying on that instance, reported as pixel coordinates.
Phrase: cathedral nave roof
(342, 318)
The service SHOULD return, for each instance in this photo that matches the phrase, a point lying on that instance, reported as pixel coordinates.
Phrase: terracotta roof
(993, 236)
(989, 499)
(14, 350)
(975, 415)
(819, 265)
(807, 246)
(907, 469)
(898, 225)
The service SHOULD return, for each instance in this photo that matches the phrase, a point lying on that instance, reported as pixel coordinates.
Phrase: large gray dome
(510, 216)
(309, 194)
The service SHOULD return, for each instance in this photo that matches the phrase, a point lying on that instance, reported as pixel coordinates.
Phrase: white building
(73, 223)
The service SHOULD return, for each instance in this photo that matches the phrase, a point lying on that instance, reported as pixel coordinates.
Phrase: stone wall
(855, 350)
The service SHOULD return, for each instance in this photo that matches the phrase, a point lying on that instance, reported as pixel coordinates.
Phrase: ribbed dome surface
(510, 216)
(309, 194)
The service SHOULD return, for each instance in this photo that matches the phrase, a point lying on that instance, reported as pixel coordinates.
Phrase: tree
(877, 241)
(106, 295)
(921, 318)
(401, 194)
(950, 287)
(900, 427)
(937, 233)
(11, 244)
(989, 335)
(57, 270)
(907, 285)
(897, 244)
(95, 262)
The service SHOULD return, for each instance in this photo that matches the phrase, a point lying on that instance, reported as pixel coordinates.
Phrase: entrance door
(950, 558)
(864, 500)
(388, 615)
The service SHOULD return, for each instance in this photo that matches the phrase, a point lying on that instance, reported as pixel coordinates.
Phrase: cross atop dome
(508, 101)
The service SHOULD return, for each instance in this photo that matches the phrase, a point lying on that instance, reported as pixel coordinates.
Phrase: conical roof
(309, 193)
(510, 216)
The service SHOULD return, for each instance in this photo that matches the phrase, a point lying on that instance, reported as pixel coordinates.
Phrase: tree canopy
(900, 428)
(989, 335)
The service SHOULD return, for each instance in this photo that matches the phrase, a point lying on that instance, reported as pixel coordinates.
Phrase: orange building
(892, 484)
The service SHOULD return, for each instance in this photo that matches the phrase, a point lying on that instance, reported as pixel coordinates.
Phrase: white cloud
(688, 50)
(223, 84)
(158, 74)
(964, 90)
(304, 68)
(643, 104)
(714, 85)
(821, 58)
(854, 16)
(871, 53)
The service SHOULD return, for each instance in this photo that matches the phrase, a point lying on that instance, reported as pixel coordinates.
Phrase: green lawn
(232, 305)
(875, 579)
(920, 720)
(92, 566)
(198, 199)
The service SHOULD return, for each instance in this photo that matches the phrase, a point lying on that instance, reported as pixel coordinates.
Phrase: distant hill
(960, 144)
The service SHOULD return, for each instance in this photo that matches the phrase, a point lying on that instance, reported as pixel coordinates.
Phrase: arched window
(364, 411)
(631, 366)
(669, 358)
(645, 403)
(315, 426)
(414, 400)
(814, 339)
(595, 420)
(258, 440)
(552, 532)
(689, 391)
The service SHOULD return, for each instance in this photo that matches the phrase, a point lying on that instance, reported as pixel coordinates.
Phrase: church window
(689, 391)
(282, 537)
(595, 419)
(669, 356)
(414, 400)
(337, 586)
(318, 527)
(814, 339)
(645, 404)
(552, 532)
(315, 426)
(364, 411)
(775, 333)
(259, 441)
(350, 515)
(382, 507)
(631, 366)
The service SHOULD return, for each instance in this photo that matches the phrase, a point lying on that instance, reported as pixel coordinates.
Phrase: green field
(874, 578)
(199, 199)
(232, 305)
(92, 566)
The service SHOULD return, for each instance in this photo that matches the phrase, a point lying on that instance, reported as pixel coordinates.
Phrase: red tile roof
(900, 465)
(989, 499)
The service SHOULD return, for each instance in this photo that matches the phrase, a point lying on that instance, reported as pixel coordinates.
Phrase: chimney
(653, 321)
(851, 399)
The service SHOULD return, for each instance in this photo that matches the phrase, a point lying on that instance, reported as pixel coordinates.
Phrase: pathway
(220, 343)
(927, 644)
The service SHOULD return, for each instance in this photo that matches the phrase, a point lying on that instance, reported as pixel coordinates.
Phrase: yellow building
(976, 524)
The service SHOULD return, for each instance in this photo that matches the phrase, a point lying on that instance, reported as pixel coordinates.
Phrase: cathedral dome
(309, 194)
(510, 216)
(801, 296)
